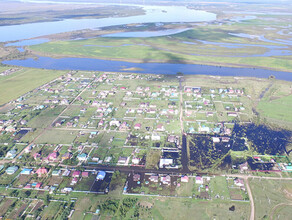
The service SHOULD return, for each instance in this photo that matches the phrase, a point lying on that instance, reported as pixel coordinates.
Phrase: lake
(154, 14)
(91, 64)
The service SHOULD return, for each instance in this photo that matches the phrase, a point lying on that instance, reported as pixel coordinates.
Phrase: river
(91, 64)
(154, 14)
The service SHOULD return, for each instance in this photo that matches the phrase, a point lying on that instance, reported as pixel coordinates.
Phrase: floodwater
(91, 64)
(146, 33)
(154, 14)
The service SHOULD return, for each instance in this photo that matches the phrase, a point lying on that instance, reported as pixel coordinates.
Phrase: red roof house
(76, 173)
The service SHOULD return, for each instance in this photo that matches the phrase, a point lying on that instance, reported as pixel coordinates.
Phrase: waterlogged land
(252, 43)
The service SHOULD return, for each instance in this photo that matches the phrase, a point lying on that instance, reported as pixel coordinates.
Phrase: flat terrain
(23, 81)
(247, 44)
(272, 198)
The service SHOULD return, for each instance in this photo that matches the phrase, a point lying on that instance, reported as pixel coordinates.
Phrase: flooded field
(205, 153)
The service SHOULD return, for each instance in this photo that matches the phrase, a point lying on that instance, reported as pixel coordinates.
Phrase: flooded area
(146, 33)
(154, 14)
(155, 68)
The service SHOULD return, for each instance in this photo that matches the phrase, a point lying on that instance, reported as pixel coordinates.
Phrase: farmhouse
(238, 182)
(199, 180)
(165, 162)
(26, 171)
(100, 175)
(136, 177)
(42, 171)
(137, 126)
(184, 179)
(165, 180)
(76, 173)
(11, 170)
(82, 157)
(153, 178)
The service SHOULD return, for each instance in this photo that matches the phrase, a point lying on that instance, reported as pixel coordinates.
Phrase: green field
(279, 108)
(24, 81)
(186, 47)
(272, 198)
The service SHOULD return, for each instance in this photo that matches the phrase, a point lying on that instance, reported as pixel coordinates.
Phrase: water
(146, 33)
(262, 38)
(154, 14)
(20, 49)
(273, 50)
(155, 68)
(28, 42)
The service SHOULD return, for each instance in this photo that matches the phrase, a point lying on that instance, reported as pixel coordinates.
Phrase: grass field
(279, 108)
(24, 81)
(272, 198)
(201, 45)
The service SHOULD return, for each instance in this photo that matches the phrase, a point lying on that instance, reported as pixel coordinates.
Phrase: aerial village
(74, 133)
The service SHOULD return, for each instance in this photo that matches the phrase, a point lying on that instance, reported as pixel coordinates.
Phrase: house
(165, 180)
(239, 182)
(76, 173)
(184, 179)
(160, 127)
(209, 114)
(66, 173)
(28, 186)
(288, 168)
(243, 167)
(56, 173)
(42, 171)
(199, 180)
(107, 159)
(53, 156)
(171, 138)
(26, 171)
(28, 149)
(95, 159)
(165, 162)
(216, 139)
(84, 174)
(137, 126)
(122, 160)
(225, 139)
(204, 129)
(101, 175)
(124, 126)
(153, 178)
(10, 129)
(155, 137)
(82, 157)
(136, 177)
(11, 154)
(36, 156)
(74, 181)
(11, 170)
(135, 160)
(115, 123)
(232, 114)
(67, 190)
(100, 123)
(38, 185)
(66, 156)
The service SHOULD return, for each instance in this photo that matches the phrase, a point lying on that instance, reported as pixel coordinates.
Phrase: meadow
(212, 45)
(23, 81)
